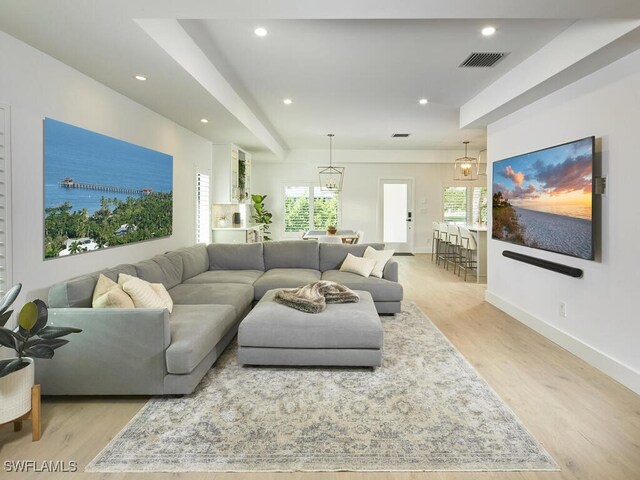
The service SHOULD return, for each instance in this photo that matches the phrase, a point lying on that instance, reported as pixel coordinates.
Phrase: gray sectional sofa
(150, 351)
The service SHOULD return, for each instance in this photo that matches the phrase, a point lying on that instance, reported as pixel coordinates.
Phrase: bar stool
(453, 254)
(468, 248)
(435, 239)
(443, 243)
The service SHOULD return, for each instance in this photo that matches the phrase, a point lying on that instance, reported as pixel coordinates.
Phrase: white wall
(360, 190)
(35, 86)
(603, 322)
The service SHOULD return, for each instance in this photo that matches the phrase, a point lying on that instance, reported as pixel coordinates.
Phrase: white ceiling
(361, 79)
(354, 68)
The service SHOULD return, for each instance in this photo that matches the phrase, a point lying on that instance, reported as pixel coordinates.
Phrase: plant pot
(15, 393)
(332, 231)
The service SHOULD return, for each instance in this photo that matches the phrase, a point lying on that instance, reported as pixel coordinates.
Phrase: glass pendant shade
(330, 177)
(465, 168)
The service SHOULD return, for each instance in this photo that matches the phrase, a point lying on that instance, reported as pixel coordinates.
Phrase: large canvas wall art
(544, 199)
(101, 192)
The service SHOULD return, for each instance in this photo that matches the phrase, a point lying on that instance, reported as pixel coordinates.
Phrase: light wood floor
(588, 422)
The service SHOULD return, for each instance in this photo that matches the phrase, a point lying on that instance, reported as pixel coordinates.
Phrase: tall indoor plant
(32, 338)
(261, 214)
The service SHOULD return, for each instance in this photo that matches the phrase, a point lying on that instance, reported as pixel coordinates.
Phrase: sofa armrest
(390, 271)
(119, 351)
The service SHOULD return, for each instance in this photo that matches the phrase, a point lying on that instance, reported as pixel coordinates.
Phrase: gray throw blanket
(313, 298)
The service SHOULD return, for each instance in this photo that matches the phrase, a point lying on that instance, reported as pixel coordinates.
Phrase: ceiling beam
(172, 38)
(586, 46)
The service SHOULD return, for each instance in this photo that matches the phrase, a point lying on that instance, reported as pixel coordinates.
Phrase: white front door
(396, 200)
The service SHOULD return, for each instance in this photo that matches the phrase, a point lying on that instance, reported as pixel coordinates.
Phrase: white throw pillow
(358, 265)
(381, 257)
(108, 294)
(141, 292)
(164, 295)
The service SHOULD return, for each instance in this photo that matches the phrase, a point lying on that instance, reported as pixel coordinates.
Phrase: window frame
(198, 207)
(312, 186)
(470, 210)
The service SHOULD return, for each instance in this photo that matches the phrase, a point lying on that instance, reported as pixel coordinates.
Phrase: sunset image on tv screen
(543, 199)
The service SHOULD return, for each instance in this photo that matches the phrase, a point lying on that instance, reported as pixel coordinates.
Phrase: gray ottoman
(348, 334)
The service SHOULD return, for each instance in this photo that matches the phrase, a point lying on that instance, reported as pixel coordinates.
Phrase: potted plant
(222, 221)
(331, 230)
(261, 215)
(33, 338)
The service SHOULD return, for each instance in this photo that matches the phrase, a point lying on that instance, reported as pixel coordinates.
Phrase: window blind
(5, 238)
(203, 209)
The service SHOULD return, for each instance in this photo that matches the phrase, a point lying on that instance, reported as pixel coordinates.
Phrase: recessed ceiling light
(260, 31)
(423, 101)
(204, 120)
(142, 78)
(488, 31)
(287, 101)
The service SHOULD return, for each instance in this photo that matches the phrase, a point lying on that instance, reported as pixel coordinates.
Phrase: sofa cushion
(237, 295)
(232, 256)
(195, 330)
(195, 260)
(332, 256)
(149, 271)
(172, 269)
(284, 278)
(125, 268)
(295, 254)
(247, 277)
(382, 290)
(76, 292)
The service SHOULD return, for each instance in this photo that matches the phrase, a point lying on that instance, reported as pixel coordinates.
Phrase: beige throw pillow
(141, 292)
(108, 294)
(357, 265)
(381, 257)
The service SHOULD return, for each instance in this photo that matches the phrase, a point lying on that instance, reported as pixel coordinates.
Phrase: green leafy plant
(261, 214)
(33, 337)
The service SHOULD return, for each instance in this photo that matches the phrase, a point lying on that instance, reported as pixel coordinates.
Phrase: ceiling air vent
(483, 59)
(400, 135)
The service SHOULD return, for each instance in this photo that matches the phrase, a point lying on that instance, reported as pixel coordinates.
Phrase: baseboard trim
(616, 370)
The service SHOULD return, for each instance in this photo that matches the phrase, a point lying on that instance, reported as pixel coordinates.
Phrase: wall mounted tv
(544, 199)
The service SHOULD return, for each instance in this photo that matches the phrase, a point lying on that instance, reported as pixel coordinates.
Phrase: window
(479, 205)
(309, 208)
(455, 205)
(203, 209)
(464, 205)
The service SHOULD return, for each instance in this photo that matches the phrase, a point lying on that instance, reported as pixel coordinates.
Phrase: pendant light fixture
(465, 168)
(331, 177)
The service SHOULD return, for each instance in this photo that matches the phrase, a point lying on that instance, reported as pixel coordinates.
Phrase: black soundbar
(538, 262)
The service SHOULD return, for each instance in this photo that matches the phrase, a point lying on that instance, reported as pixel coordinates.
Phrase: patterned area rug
(425, 409)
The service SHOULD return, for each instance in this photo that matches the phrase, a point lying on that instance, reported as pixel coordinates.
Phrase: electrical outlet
(563, 309)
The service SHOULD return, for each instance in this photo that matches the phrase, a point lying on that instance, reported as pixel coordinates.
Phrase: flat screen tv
(544, 199)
